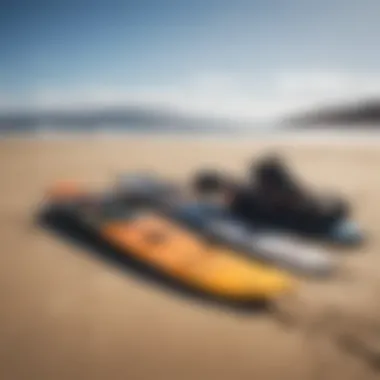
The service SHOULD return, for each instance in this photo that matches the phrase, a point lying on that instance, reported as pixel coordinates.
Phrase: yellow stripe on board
(178, 252)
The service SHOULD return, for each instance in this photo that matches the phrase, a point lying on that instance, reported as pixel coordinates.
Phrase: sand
(66, 315)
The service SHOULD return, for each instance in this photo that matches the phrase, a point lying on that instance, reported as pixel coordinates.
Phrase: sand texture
(66, 315)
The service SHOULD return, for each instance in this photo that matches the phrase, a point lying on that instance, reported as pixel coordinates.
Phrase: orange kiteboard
(181, 254)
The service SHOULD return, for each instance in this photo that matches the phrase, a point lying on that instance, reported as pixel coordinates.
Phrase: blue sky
(197, 55)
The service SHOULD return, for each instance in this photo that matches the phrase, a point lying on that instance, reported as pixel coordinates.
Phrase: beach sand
(66, 315)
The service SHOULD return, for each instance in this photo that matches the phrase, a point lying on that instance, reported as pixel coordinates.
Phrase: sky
(246, 59)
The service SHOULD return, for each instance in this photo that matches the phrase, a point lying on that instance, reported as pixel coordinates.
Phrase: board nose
(347, 232)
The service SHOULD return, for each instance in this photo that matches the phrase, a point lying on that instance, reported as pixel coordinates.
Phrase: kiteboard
(170, 248)
(278, 248)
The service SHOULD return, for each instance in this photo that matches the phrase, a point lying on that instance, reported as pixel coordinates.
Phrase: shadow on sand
(70, 230)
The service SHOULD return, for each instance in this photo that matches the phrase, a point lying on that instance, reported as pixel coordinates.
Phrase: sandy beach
(66, 315)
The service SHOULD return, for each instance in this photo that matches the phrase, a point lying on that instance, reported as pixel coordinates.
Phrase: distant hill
(363, 113)
(124, 118)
